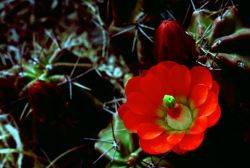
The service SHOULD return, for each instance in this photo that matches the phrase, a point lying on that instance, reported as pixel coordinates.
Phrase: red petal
(191, 142)
(199, 126)
(179, 151)
(180, 80)
(167, 64)
(122, 109)
(209, 106)
(162, 73)
(214, 117)
(149, 131)
(152, 88)
(133, 85)
(156, 146)
(199, 94)
(201, 75)
(132, 120)
(215, 88)
(175, 138)
(140, 105)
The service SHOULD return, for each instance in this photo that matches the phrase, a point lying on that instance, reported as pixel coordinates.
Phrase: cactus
(65, 65)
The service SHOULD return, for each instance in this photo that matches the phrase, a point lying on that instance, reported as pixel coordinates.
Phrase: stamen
(169, 101)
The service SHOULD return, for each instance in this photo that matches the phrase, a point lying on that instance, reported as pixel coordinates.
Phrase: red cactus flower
(173, 44)
(170, 107)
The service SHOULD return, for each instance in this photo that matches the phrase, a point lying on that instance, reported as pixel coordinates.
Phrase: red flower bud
(43, 98)
(39, 88)
(172, 43)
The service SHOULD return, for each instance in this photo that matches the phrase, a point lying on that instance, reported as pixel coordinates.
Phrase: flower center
(169, 101)
(179, 116)
(173, 108)
(175, 111)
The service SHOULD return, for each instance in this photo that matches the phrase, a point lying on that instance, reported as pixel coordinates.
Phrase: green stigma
(169, 101)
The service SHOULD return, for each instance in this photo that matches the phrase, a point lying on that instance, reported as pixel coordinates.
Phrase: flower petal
(167, 64)
(132, 85)
(175, 138)
(122, 109)
(209, 106)
(149, 131)
(199, 126)
(178, 150)
(199, 94)
(140, 105)
(162, 73)
(152, 88)
(132, 120)
(214, 117)
(191, 142)
(215, 88)
(157, 145)
(201, 75)
(180, 80)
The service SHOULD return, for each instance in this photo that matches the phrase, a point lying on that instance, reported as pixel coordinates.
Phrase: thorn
(113, 157)
(69, 81)
(3, 60)
(206, 2)
(186, 15)
(115, 100)
(57, 40)
(98, 140)
(146, 27)
(24, 110)
(81, 86)
(112, 104)
(109, 111)
(29, 112)
(46, 155)
(221, 9)
(124, 31)
(70, 90)
(113, 134)
(142, 31)
(52, 37)
(232, 2)
(97, 24)
(86, 72)
(108, 150)
(208, 29)
(116, 109)
(107, 9)
(170, 14)
(140, 16)
(98, 72)
(162, 157)
(134, 41)
(192, 3)
(225, 4)
(163, 15)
